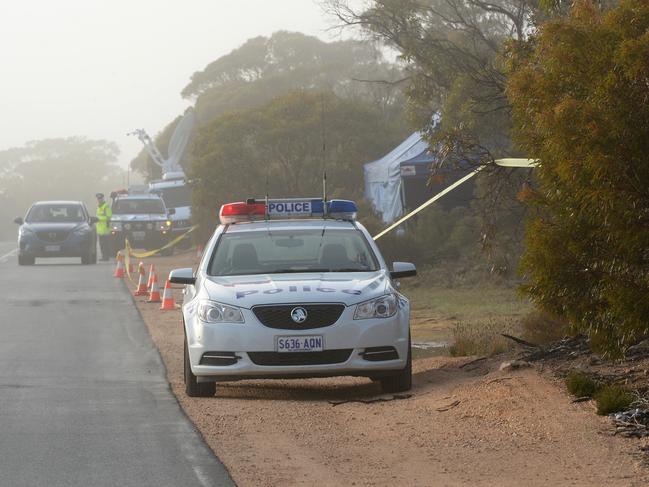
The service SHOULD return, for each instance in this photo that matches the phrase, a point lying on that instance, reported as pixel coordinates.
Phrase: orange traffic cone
(154, 293)
(149, 281)
(168, 302)
(199, 251)
(119, 270)
(141, 284)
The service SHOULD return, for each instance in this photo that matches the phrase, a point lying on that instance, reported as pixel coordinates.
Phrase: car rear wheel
(192, 387)
(25, 260)
(402, 380)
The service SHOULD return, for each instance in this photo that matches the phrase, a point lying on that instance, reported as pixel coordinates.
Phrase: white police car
(289, 289)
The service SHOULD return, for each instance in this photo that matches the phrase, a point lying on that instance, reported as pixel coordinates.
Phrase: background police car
(287, 298)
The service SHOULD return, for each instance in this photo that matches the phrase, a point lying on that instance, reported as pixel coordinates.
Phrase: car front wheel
(192, 387)
(402, 380)
(25, 260)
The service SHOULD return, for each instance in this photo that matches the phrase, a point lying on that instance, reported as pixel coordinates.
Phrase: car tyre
(26, 260)
(87, 259)
(402, 380)
(192, 387)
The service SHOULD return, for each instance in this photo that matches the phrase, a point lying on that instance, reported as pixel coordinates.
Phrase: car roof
(291, 225)
(138, 197)
(58, 202)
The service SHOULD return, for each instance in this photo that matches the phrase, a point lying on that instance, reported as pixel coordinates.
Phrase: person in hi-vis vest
(104, 214)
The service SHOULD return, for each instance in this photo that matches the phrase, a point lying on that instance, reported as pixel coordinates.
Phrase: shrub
(542, 328)
(481, 338)
(579, 103)
(612, 399)
(580, 384)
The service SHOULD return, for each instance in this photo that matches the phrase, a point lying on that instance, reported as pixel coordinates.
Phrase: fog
(101, 68)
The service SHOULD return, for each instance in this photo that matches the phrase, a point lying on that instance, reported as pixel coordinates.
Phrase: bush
(579, 104)
(481, 338)
(612, 399)
(580, 384)
(542, 328)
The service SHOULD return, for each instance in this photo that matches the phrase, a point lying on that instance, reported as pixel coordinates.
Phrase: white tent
(383, 177)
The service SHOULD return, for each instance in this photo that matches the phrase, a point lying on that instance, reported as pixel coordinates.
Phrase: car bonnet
(329, 287)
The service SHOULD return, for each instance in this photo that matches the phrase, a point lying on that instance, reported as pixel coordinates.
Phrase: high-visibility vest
(104, 214)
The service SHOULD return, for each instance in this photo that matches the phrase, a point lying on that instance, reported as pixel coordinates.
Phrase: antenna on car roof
(324, 159)
(267, 216)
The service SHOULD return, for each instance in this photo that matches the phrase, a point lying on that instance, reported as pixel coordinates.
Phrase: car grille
(136, 225)
(300, 358)
(279, 316)
(52, 236)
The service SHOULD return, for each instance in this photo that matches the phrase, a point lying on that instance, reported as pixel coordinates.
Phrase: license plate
(138, 235)
(299, 344)
(52, 248)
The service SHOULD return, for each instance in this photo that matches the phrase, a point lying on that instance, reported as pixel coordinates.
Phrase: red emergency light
(242, 212)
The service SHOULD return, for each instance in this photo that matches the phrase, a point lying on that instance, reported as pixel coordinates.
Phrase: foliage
(452, 53)
(264, 68)
(282, 144)
(482, 338)
(613, 399)
(73, 168)
(541, 328)
(579, 96)
(580, 384)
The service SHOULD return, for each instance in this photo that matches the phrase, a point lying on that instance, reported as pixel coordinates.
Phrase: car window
(176, 196)
(53, 213)
(137, 206)
(286, 251)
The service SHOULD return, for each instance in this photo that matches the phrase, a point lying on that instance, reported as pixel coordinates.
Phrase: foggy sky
(101, 68)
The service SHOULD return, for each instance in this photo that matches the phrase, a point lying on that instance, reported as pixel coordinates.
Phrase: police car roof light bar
(284, 209)
(242, 212)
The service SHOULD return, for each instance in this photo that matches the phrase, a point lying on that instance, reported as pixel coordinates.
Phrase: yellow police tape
(128, 250)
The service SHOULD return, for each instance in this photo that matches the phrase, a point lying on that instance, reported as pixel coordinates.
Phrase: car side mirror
(19, 220)
(182, 276)
(171, 211)
(402, 269)
(92, 220)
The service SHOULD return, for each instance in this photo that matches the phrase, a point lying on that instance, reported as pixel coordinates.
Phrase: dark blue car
(57, 229)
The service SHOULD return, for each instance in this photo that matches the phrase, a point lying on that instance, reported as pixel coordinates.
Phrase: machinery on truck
(174, 188)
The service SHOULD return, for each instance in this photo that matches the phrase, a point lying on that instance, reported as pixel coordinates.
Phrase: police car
(292, 289)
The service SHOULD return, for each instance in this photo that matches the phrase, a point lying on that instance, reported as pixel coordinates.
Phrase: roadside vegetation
(609, 398)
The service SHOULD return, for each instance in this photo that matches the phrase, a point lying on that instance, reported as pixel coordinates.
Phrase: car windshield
(176, 196)
(291, 251)
(53, 213)
(137, 206)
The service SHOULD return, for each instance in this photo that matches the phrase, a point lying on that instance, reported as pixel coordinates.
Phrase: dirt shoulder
(463, 425)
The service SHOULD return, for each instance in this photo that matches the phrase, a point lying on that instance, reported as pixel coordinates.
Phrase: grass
(612, 399)
(482, 338)
(580, 384)
(472, 317)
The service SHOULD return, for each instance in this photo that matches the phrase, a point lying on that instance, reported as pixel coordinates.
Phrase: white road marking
(3, 258)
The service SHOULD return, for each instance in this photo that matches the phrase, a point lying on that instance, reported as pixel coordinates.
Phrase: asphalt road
(83, 395)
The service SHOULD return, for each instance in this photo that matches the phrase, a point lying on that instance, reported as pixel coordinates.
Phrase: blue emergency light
(288, 209)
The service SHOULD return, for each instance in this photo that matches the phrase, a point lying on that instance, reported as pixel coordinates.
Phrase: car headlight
(213, 312)
(164, 226)
(116, 226)
(382, 307)
(82, 231)
(127, 226)
(25, 232)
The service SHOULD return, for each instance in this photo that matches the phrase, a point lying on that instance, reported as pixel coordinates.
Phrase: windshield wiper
(350, 269)
(297, 271)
